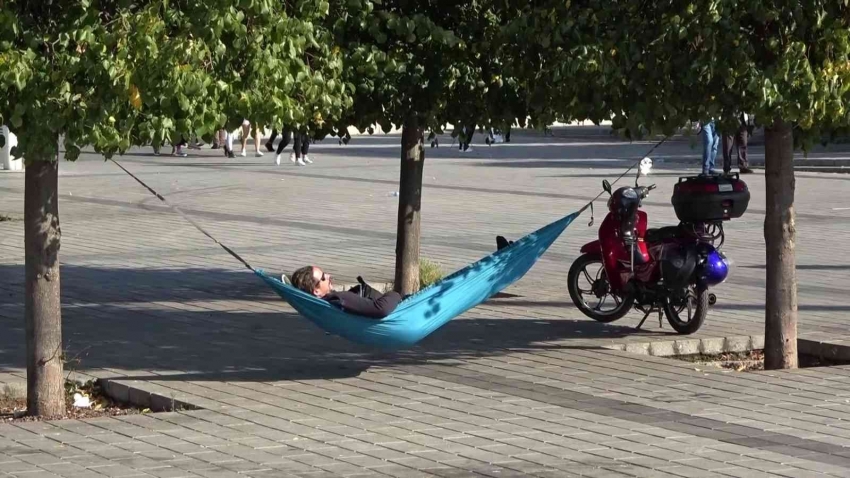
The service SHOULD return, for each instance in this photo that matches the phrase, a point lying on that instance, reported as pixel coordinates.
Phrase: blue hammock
(429, 309)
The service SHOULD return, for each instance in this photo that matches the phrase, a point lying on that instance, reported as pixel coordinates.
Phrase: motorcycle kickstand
(643, 320)
(646, 316)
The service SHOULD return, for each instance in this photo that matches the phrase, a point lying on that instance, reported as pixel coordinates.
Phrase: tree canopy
(654, 66)
(113, 74)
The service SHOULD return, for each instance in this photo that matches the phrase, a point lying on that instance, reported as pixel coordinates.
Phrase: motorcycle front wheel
(591, 292)
(686, 314)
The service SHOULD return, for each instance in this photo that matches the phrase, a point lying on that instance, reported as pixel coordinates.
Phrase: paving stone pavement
(522, 385)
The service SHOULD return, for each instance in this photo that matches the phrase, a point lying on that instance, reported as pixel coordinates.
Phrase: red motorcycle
(654, 270)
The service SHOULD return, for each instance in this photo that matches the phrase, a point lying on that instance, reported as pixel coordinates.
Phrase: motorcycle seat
(661, 234)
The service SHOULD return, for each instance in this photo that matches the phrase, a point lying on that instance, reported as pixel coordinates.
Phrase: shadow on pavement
(189, 324)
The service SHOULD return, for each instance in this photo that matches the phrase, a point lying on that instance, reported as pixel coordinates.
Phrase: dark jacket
(364, 300)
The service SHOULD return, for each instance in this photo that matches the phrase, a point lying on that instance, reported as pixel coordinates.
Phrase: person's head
(312, 280)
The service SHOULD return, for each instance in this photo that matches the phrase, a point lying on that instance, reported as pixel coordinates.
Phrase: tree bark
(780, 331)
(45, 381)
(409, 205)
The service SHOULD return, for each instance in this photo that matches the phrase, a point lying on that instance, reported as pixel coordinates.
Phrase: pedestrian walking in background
(300, 149)
(285, 135)
(739, 139)
(246, 133)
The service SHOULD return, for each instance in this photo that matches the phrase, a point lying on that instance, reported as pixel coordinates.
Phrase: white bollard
(8, 161)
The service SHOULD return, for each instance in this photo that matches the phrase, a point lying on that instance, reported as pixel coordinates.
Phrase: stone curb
(124, 393)
(718, 345)
(817, 169)
(759, 163)
(707, 346)
(836, 166)
(823, 349)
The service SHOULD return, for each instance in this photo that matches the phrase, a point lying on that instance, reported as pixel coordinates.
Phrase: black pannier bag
(678, 262)
(710, 198)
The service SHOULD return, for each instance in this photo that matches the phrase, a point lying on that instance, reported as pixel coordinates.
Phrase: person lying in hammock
(359, 300)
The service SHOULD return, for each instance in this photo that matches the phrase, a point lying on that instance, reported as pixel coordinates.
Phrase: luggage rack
(709, 232)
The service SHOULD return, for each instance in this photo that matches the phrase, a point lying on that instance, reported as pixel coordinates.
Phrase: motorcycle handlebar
(644, 191)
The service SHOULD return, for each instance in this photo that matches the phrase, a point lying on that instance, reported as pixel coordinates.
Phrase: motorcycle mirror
(606, 186)
(645, 166)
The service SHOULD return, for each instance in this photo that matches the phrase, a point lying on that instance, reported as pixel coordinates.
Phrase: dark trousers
(466, 137)
(178, 145)
(302, 144)
(285, 134)
(739, 140)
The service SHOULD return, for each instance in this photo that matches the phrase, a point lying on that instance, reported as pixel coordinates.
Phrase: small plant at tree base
(429, 273)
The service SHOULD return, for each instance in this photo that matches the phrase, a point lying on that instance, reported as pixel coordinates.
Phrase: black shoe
(215, 146)
(746, 170)
(502, 243)
(727, 172)
(269, 147)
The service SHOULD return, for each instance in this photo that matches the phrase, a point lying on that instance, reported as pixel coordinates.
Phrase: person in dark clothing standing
(359, 300)
(739, 140)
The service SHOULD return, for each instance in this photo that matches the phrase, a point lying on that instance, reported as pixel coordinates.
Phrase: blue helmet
(714, 267)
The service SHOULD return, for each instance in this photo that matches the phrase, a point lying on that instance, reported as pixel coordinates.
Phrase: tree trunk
(45, 381)
(409, 204)
(780, 331)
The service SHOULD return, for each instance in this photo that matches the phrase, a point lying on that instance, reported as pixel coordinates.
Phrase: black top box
(710, 198)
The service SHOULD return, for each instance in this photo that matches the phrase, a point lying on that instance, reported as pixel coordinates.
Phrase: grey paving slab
(519, 386)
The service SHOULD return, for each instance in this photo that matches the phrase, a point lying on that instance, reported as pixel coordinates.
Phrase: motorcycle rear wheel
(588, 271)
(695, 308)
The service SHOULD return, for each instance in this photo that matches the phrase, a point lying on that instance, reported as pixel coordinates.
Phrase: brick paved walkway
(520, 386)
